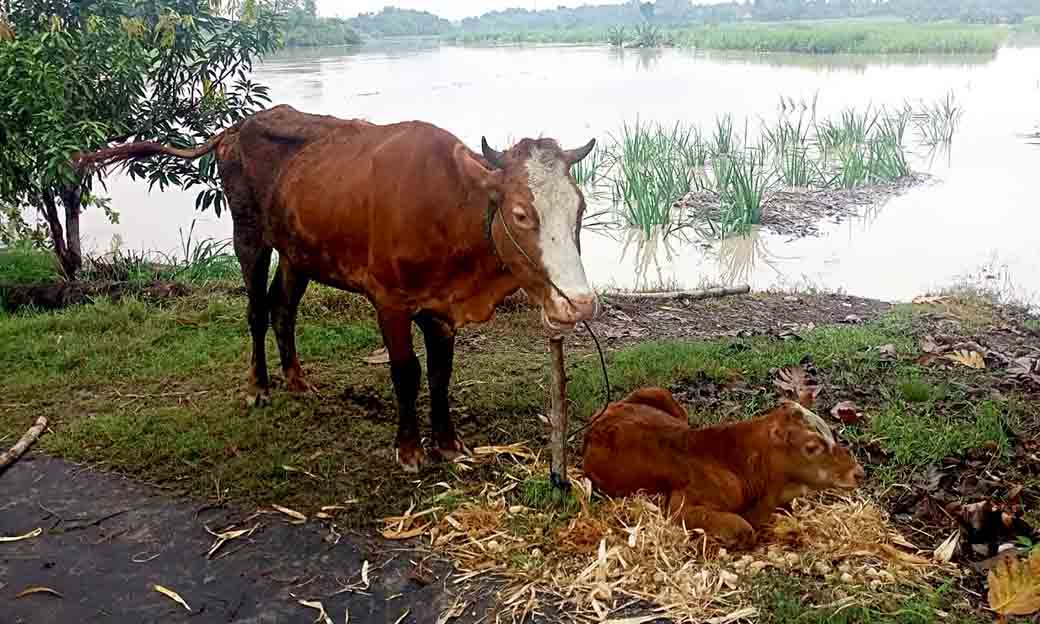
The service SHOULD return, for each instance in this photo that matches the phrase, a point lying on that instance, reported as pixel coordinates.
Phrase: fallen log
(558, 416)
(23, 444)
(706, 293)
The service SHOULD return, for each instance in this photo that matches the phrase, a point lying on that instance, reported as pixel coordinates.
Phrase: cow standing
(426, 229)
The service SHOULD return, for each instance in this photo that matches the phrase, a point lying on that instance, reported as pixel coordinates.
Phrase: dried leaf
(393, 534)
(172, 595)
(847, 413)
(944, 553)
(31, 534)
(323, 617)
(1014, 585)
(227, 536)
(927, 300)
(971, 359)
(379, 356)
(290, 512)
(742, 614)
(28, 591)
(364, 573)
(455, 611)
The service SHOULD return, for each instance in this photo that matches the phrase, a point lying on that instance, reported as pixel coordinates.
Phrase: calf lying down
(727, 479)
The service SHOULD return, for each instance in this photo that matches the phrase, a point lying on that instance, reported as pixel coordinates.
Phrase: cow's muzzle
(561, 314)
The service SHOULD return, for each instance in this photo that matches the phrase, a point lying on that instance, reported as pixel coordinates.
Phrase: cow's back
(633, 447)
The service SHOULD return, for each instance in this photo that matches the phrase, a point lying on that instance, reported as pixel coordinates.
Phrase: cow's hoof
(299, 385)
(451, 451)
(411, 459)
(258, 397)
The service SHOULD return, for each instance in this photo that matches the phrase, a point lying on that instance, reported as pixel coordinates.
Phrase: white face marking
(557, 202)
(816, 423)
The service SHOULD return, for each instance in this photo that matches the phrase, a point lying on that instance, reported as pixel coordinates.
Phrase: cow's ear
(476, 175)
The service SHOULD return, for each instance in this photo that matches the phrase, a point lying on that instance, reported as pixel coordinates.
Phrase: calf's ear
(475, 175)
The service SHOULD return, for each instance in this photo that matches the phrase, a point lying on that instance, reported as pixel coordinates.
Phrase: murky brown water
(982, 208)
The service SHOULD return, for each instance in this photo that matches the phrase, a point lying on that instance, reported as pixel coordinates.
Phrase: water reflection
(647, 250)
(740, 256)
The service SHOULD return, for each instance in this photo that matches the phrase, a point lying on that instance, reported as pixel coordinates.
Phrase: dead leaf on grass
(1014, 585)
(796, 384)
(323, 617)
(28, 591)
(292, 513)
(172, 595)
(31, 534)
(971, 359)
(364, 573)
(379, 356)
(944, 553)
(847, 413)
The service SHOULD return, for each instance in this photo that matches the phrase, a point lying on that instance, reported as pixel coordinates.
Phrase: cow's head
(538, 224)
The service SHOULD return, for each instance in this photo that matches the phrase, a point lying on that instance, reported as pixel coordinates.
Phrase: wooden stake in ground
(558, 416)
(24, 443)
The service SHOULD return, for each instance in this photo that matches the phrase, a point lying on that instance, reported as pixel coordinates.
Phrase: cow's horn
(575, 155)
(492, 156)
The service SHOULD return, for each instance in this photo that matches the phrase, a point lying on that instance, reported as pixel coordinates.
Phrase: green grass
(651, 169)
(937, 122)
(847, 37)
(819, 37)
(22, 265)
(156, 391)
(787, 599)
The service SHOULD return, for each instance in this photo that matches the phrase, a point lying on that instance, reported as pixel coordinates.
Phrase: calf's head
(807, 456)
(538, 212)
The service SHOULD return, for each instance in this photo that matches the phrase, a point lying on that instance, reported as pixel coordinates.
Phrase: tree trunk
(66, 244)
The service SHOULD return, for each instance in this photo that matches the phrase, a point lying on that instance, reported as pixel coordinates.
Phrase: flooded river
(979, 215)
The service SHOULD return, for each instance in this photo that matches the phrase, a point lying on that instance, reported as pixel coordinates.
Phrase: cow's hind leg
(287, 289)
(440, 353)
(406, 374)
(255, 259)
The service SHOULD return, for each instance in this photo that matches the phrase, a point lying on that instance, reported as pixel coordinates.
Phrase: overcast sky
(450, 9)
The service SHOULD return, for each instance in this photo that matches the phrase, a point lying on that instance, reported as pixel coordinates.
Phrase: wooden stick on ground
(558, 416)
(8, 458)
(707, 293)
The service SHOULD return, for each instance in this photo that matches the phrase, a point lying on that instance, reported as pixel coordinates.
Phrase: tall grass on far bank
(820, 37)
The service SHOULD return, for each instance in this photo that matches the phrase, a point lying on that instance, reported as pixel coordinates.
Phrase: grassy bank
(823, 37)
(848, 37)
(154, 390)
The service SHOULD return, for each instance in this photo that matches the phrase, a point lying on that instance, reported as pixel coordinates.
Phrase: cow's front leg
(406, 375)
(440, 353)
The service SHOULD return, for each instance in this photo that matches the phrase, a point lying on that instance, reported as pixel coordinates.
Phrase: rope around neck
(492, 213)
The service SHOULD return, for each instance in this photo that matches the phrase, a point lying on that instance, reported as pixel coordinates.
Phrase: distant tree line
(681, 12)
(394, 22)
(303, 28)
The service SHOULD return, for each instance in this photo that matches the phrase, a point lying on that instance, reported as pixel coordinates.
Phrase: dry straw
(613, 555)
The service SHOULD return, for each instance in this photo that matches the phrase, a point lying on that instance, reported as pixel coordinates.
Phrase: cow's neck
(491, 281)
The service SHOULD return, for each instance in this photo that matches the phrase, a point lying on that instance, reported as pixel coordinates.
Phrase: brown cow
(428, 230)
(727, 479)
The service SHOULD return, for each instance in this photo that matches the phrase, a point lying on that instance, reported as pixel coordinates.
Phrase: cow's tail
(100, 159)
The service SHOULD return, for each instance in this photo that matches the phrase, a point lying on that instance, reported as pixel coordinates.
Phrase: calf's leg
(287, 289)
(729, 528)
(406, 375)
(440, 353)
(255, 260)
